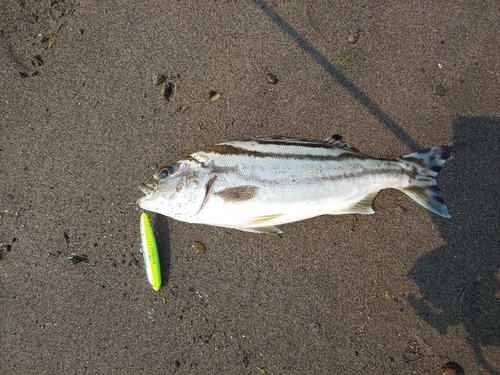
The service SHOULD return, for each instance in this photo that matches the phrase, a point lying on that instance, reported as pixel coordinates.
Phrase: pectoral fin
(364, 206)
(237, 193)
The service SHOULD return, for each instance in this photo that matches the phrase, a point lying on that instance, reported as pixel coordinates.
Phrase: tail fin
(424, 166)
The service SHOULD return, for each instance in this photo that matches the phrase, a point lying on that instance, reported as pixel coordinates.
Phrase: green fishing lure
(150, 253)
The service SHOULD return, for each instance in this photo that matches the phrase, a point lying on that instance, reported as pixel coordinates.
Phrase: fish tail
(423, 167)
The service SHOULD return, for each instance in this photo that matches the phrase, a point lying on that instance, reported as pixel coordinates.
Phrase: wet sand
(83, 122)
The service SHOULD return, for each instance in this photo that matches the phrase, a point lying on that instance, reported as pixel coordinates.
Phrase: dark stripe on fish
(299, 143)
(334, 177)
(224, 149)
(417, 161)
(333, 142)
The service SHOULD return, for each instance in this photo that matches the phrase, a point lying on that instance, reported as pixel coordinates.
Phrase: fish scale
(254, 184)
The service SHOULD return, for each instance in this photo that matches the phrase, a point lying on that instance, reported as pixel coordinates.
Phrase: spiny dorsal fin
(336, 141)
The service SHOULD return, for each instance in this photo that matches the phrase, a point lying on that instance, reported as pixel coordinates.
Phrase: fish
(256, 183)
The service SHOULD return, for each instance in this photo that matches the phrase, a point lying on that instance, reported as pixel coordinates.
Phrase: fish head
(172, 190)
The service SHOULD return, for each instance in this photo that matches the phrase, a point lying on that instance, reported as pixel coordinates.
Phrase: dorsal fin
(336, 141)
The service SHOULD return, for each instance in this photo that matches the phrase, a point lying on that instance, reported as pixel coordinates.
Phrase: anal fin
(363, 207)
(267, 229)
(261, 224)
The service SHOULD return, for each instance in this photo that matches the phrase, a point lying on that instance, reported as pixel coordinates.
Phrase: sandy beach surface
(85, 118)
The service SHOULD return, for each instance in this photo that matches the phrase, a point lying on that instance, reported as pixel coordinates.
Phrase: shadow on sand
(162, 235)
(460, 282)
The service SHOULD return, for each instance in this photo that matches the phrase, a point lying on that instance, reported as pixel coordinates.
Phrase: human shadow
(460, 281)
(162, 235)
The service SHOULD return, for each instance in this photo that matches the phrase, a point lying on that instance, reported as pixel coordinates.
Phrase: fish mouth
(144, 202)
(147, 189)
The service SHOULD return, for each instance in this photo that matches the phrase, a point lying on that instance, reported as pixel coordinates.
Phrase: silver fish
(253, 184)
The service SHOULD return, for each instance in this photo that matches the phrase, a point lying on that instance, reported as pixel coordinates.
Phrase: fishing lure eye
(165, 172)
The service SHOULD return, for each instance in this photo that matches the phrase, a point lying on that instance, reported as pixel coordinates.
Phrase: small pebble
(32, 18)
(452, 368)
(77, 259)
(271, 78)
(214, 95)
(177, 364)
(439, 90)
(353, 38)
(198, 246)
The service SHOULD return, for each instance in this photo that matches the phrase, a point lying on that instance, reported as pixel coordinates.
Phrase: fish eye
(165, 172)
